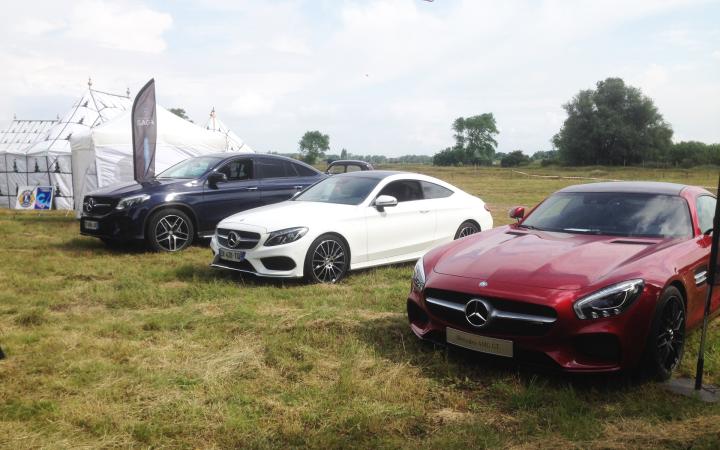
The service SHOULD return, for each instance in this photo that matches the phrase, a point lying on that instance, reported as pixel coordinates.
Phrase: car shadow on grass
(83, 244)
(206, 274)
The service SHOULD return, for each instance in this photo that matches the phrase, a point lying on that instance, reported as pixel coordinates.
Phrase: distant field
(136, 349)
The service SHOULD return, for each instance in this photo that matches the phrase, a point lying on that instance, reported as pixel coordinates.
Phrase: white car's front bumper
(281, 261)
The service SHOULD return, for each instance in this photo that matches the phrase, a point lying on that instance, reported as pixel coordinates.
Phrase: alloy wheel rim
(671, 337)
(172, 233)
(467, 231)
(328, 261)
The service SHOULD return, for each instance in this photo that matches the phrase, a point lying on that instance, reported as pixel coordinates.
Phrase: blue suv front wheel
(170, 230)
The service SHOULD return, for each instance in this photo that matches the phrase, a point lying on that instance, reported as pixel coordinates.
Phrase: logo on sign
(26, 198)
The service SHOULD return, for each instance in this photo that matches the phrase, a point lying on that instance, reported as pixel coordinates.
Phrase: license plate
(484, 344)
(232, 255)
(92, 225)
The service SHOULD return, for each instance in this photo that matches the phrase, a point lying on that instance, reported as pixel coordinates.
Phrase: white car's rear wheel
(327, 260)
(466, 229)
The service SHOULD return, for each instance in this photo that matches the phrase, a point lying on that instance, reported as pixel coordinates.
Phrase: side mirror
(383, 201)
(517, 212)
(216, 177)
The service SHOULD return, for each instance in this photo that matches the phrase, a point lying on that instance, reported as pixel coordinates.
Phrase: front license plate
(484, 344)
(232, 255)
(92, 225)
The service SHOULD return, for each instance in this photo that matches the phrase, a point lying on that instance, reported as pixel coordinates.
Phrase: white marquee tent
(14, 140)
(233, 140)
(47, 160)
(103, 155)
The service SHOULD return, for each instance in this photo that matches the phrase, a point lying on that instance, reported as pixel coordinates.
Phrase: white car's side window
(403, 190)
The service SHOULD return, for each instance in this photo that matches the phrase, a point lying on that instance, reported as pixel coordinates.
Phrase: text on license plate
(232, 255)
(91, 225)
(484, 344)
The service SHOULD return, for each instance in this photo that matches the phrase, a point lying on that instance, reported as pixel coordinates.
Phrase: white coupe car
(346, 222)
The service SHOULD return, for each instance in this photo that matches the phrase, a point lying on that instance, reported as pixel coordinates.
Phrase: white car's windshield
(613, 213)
(340, 189)
(191, 168)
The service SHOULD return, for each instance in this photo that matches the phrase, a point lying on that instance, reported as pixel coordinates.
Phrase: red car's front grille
(512, 318)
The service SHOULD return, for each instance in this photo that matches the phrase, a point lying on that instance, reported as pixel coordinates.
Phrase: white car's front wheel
(327, 260)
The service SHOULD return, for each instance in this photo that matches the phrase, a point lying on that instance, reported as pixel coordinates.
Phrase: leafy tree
(514, 159)
(180, 112)
(476, 136)
(344, 154)
(313, 145)
(451, 156)
(474, 142)
(614, 124)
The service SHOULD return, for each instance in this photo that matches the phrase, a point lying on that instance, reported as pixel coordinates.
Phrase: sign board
(34, 197)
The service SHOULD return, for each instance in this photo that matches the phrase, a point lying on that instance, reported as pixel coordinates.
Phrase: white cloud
(119, 25)
(380, 76)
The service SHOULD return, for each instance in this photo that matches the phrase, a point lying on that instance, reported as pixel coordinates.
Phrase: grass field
(126, 348)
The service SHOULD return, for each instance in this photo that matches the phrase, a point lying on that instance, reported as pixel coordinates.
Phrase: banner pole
(712, 269)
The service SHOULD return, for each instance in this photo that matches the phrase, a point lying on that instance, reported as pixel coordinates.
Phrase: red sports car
(598, 277)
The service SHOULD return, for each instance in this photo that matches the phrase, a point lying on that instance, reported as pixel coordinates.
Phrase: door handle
(423, 211)
(254, 188)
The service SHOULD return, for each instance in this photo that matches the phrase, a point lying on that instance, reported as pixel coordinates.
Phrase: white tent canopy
(103, 155)
(14, 140)
(233, 140)
(47, 161)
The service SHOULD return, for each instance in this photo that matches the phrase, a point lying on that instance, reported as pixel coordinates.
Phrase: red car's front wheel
(666, 341)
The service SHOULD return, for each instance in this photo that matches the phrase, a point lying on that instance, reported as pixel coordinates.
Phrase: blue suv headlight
(129, 202)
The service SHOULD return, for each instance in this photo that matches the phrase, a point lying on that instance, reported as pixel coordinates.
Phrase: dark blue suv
(190, 198)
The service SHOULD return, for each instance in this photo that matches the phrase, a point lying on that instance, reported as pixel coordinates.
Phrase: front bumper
(123, 225)
(567, 343)
(280, 261)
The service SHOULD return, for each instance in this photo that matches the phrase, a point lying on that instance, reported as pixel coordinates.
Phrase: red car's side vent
(516, 233)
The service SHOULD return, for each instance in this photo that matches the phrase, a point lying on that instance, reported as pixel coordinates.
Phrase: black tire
(466, 229)
(327, 260)
(666, 341)
(169, 230)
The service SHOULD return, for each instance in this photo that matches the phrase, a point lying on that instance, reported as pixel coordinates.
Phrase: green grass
(126, 348)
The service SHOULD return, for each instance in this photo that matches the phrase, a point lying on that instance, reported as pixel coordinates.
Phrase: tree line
(613, 124)
(314, 146)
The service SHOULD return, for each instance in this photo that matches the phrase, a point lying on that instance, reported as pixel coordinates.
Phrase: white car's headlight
(285, 236)
(129, 202)
(610, 301)
(418, 278)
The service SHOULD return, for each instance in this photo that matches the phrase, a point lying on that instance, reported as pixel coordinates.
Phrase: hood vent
(631, 242)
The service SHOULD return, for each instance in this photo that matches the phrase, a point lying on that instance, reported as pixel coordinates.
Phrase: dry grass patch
(126, 348)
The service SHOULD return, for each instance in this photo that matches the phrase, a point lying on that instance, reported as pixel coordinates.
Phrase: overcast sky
(379, 76)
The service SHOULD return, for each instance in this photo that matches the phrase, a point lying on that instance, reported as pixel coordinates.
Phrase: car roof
(639, 187)
(350, 161)
(374, 174)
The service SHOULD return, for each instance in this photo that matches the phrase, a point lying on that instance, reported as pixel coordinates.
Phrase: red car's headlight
(610, 301)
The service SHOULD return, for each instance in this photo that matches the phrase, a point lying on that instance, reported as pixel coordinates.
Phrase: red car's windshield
(613, 213)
